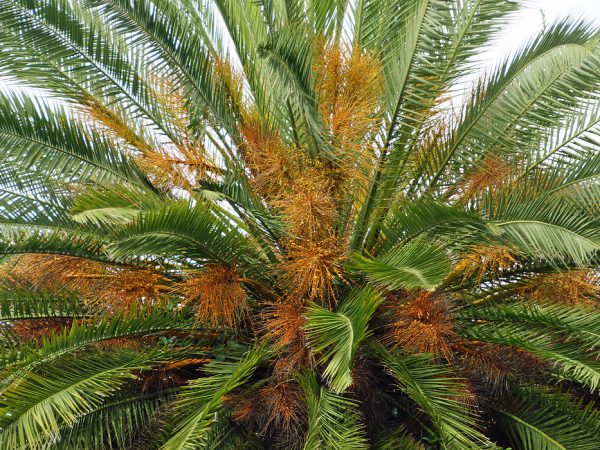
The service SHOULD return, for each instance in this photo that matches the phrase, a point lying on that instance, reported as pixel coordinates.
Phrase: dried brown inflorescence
(272, 163)
(276, 411)
(311, 268)
(177, 163)
(54, 272)
(313, 253)
(491, 367)
(308, 190)
(485, 261)
(349, 86)
(575, 287)
(283, 325)
(423, 324)
(112, 124)
(309, 207)
(283, 322)
(284, 405)
(129, 288)
(105, 287)
(217, 295)
(493, 173)
(178, 168)
(34, 330)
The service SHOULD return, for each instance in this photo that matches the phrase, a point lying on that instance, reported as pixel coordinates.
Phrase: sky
(529, 20)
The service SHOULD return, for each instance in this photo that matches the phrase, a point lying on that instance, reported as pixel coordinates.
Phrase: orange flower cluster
(102, 286)
(484, 260)
(423, 324)
(491, 174)
(576, 287)
(349, 88)
(217, 295)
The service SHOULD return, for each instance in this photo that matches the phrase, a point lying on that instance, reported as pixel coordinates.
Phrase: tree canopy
(296, 224)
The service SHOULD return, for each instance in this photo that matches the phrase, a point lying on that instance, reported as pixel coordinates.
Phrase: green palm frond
(19, 304)
(179, 228)
(163, 34)
(224, 434)
(500, 103)
(438, 394)
(430, 219)
(78, 336)
(16, 238)
(398, 439)
(571, 361)
(333, 420)
(575, 322)
(64, 49)
(416, 265)
(32, 198)
(56, 144)
(545, 226)
(337, 335)
(435, 43)
(112, 204)
(113, 425)
(291, 59)
(34, 409)
(199, 403)
(568, 143)
(550, 420)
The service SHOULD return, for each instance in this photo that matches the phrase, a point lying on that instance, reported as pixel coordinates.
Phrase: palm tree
(296, 224)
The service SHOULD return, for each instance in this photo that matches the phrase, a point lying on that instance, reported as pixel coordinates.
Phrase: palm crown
(267, 224)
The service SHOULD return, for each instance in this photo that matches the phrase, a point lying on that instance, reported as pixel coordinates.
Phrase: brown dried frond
(127, 343)
(33, 330)
(244, 410)
(217, 295)
(186, 362)
(276, 411)
(575, 287)
(423, 324)
(486, 366)
(174, 373)
(349, 84)
(485, 260)
(312, 267)
(163, 378)
(295, 356)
